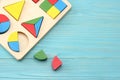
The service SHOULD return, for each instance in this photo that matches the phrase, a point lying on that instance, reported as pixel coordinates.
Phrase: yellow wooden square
(53, 12)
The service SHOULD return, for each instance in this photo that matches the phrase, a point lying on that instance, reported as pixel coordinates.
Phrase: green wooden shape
(33, 21)
(41, 56)
(46, 5)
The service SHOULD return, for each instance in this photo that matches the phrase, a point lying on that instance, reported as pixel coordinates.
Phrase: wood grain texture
(87, 40)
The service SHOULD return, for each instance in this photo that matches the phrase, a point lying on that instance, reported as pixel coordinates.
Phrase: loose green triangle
(41, 56)
(33, 21)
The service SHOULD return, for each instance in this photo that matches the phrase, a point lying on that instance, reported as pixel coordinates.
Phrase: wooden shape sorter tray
(24, 22)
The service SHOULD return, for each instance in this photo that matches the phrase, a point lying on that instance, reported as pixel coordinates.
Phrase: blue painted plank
(94, 68)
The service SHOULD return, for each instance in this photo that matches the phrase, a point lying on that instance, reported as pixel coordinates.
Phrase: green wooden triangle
(33, 21)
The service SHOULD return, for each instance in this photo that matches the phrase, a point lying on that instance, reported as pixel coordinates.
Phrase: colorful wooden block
(41, 56)
(60, 5)
(35, 1)
(56, 7)
(52, 1)
(33, 26)
(45, 5)
(56, 63)
(15, 9)
(4, 24)
(53, 12)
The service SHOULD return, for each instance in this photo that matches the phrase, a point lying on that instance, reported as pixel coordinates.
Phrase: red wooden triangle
(52, 1)
(56, 63)
(30, 28)
(35, 1)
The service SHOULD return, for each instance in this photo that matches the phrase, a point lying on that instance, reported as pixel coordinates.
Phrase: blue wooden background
(87, 40)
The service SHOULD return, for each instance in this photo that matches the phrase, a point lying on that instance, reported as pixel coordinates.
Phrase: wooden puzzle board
(29, 12)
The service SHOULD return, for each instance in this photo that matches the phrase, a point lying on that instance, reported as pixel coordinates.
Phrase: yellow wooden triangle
(15, 9)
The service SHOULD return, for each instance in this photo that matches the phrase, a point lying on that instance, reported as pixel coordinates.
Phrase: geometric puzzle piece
(60, 5)
(53, 12)
(13, 37)
(4, 24)
(30, 28)
(4, 27)
(56, 63)
(53, 7)
(41, 56)
(38, 26)
(3, 18)
(53, 1)
(17, 42)
(33, 26)
(33, 21)
(15, 9)
(45, 5)
(35, 1)
(14, 46)
(13, 41)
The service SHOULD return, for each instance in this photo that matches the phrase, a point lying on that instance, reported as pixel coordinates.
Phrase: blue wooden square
(60, 5)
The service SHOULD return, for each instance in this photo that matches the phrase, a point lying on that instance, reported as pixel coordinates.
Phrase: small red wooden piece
(35, 1)
(30, 28)
(53, 1)
(56, 63)
(3, 18)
